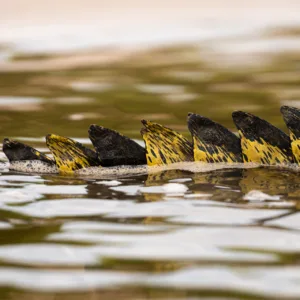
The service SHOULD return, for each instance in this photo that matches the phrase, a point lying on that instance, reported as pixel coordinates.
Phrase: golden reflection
(165, 176)
(272, 181)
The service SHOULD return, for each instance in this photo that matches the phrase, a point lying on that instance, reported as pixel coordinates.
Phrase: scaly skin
(165, 146)
(259, 142)
(212, 142)
(70, 155)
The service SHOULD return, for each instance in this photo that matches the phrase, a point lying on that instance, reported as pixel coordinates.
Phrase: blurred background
(66, 64)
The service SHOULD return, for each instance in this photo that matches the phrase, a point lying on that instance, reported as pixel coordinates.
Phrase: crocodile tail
(291, 116)
(115, 149)
(165, 146)
(16, 151)
(70, 155)
(212, 142)
(262, 142)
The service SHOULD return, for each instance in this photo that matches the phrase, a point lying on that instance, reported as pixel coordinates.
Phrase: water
(222, 233)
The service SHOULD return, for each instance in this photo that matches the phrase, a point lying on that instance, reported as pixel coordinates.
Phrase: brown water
(221, 234)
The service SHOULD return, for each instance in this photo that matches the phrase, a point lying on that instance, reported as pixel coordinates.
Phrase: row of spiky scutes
(165, 146)
(258, 142)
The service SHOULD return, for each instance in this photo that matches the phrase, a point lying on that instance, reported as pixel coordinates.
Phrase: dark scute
(256, 129)
(291, 116)
(115, 149)
(16, 151)
(213, 133)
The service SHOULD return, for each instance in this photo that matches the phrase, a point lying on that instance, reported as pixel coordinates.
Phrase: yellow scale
(219, 154)
(263, 153)
(165, 146)
(67, 155)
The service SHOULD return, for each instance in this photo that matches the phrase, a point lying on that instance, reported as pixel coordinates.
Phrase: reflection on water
(171, 234)
(163, 231)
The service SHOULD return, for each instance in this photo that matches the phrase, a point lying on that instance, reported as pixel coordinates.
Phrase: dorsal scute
(212, 142)
(261, 142)
(115, 149)
(165, 146)
(70, 155)
(17, 151)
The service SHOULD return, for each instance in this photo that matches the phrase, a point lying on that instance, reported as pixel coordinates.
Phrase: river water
(216, 234)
